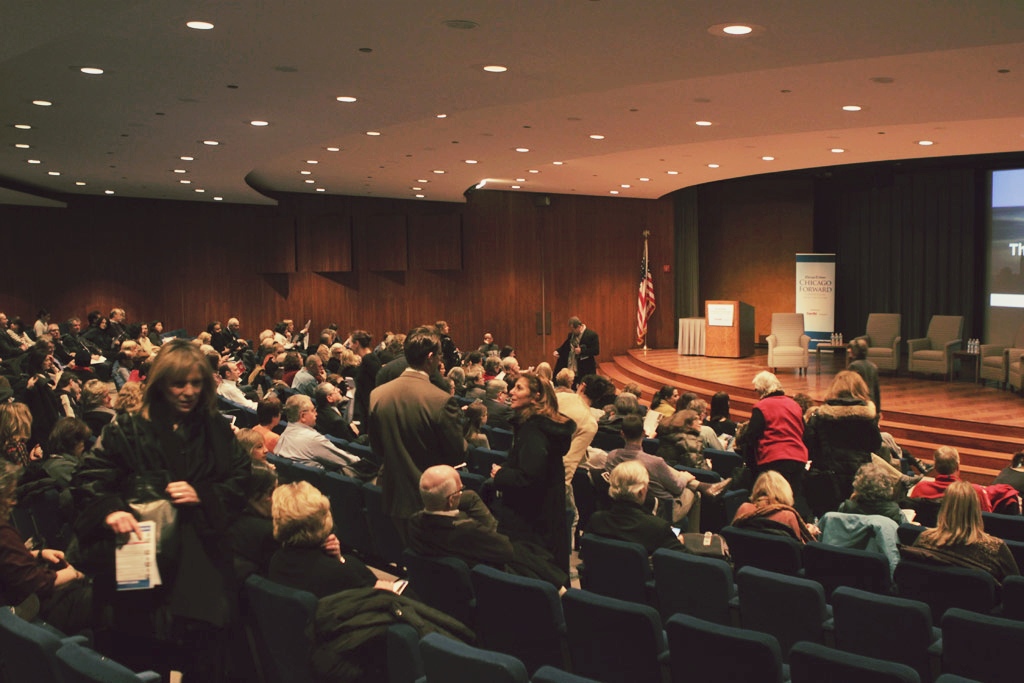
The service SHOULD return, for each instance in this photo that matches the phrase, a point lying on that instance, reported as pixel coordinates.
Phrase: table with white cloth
(691, 336)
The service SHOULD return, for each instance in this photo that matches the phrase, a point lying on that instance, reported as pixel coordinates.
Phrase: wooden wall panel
(750, 232)
(328, 243)
(435, 242)
(384, 242)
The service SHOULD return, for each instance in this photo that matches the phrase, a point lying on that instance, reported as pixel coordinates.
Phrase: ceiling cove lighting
(199, 25)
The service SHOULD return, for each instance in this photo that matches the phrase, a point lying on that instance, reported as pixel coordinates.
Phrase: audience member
(770, 509)
(228, 387)
(626, 519)
(475, 418)
(1014, 474)
(268, 416)
(707, 434)
(366, 374)
(947, 471)
(312, 374)
(873, 492)
(499, 414)
(129, 399)
(664, 402)
(300, 440)
(97, 408)
(489, 348)
(680, 441)
(857, 353)
(959, 537)
(330, 420)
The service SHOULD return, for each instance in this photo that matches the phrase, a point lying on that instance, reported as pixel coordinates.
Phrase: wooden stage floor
(961, 399)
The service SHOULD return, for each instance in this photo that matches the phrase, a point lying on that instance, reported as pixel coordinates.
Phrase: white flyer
(136, 561)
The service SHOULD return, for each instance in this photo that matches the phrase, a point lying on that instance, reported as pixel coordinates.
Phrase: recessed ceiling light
(333, 149)
(312, 161)
(515, 187)
(420, 196)
(259, 123)
(613, 192)
(767, 158)
(672, 172)
(373, 132)
(703, 123)
(496, 68)
(211, 143)
(310, 181)
(712, 165)
(346, 98)
(522, 149)
(79, 183)
(91, 70)
(22, 145)
(532, 170)
(597, 137)
(644, 180)
(442, 116)
(199, 25)
(185, 182)
(925, 143)
(557, 163)
(470, 161)
(53, 173)
(851, 107)
(42, 103)
(305, 172)
(180, 170)
(34, 161)
(108, 192)
(218, 199)
(199, 189)
(729, 30)
(187, 158)
(417, 188)
(438, 171)
(22, 126)
(320, 189)
(520, 180)
(837, 150)
(624, 186)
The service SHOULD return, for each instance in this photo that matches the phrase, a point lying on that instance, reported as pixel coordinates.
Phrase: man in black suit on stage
(579, 350)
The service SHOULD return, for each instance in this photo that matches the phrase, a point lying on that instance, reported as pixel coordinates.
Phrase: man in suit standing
(413, 425)
(579, 350)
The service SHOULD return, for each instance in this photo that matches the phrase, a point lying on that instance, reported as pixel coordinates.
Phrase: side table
(967, 356)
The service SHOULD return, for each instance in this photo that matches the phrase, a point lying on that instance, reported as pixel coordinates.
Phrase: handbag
(705, 545)
(149, 503)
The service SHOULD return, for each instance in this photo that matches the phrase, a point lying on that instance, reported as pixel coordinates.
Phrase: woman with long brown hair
(532, 481)
(959, 536)
(177, 449)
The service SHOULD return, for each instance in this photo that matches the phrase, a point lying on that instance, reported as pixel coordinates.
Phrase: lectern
(730, 329)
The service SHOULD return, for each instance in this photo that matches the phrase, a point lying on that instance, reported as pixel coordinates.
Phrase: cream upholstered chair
(996, 359)
(883, 340)
(787, 344)
(934, 353)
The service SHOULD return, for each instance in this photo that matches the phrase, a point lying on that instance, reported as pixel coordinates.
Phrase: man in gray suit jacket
(413, 425)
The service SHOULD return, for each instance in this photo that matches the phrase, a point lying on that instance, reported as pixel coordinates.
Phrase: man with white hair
(626, 519)
(300, 440)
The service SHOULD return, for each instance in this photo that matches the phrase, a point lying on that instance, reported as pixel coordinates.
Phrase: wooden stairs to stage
(984, 448)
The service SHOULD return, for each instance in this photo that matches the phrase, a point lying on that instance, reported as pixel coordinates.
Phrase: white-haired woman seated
(626, 519)
(310, 557)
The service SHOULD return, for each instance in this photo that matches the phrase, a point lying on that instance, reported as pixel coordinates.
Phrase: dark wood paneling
(328, 246)
(384, 241)
(435, 242)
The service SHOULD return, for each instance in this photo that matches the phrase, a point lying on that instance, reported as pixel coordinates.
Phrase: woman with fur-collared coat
(840, 436)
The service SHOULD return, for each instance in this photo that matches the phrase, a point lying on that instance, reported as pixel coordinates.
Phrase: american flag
(645, 297)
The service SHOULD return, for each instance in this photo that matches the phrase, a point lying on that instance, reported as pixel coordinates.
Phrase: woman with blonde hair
(129, 399)
(532, 481)
(15, 431)
(840, 436)
(771, 509)
(959, 537)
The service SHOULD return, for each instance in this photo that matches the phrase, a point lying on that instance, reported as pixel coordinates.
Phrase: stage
(985, 423)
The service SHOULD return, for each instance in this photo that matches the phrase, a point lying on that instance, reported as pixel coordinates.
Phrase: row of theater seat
(41, 654)
(601, 638)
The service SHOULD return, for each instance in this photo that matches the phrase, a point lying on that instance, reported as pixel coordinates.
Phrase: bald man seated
(455, 522)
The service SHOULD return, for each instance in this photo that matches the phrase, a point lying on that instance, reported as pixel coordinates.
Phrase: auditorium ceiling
(599, 97)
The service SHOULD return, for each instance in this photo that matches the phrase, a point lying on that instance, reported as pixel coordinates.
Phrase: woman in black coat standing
(179, 451)
(532, 481)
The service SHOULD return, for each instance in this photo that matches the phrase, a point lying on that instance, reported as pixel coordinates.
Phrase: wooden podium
(730, 329)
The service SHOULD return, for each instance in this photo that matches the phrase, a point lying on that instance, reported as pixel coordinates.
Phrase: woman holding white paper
(177, 454)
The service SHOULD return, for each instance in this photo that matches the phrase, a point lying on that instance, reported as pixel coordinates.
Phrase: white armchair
(934, 353)
(883, 339)
(787, 344)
